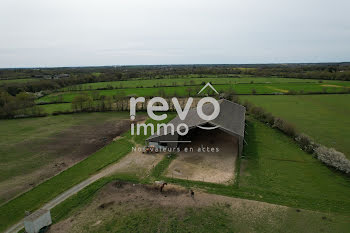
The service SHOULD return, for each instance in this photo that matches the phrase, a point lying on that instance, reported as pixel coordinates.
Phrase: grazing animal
(162, 186)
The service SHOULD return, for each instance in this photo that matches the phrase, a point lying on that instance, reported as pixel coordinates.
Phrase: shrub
(333, 158)
(269, 118)
(306, 143)
(258, 112)
(292, 92)
(261, 115)
(55, 113)
(248, 105)
(284, 126)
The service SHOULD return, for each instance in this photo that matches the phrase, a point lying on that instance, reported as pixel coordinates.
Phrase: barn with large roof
(229, 123)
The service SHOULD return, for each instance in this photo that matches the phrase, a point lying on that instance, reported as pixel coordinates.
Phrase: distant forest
(19, 88)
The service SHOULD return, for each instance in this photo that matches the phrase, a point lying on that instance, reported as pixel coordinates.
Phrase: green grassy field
(323, 117)
(189, 81)
(22, 80)
(35, 149)
(21, 140)
(13, 211)
(274, 163)
(270, 88)
(51, 108)
(273, 170)
(59, 107)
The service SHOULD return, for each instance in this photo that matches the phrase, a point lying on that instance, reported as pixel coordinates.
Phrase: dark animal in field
(162, 187)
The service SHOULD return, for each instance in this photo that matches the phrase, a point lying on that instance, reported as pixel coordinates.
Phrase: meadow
(22, 80)
(323, 117)
(14, 210)
(274, 164)
(34, 149)
(273, 169)
(183, 91)
(186, 81)
(51, 108)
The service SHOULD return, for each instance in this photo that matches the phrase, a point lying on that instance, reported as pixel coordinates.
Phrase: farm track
(70, 192)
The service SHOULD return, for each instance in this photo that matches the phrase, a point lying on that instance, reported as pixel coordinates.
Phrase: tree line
(12, 98)
(21, 104)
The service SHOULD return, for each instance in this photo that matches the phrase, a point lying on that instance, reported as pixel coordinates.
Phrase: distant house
(231, 121)
(59, 76)
(48, 76)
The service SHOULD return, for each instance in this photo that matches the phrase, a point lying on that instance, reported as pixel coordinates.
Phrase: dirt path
(134, 161)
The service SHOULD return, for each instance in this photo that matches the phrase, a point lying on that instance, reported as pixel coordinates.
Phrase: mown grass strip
(158, 170)
(316, 204)
(13, 211)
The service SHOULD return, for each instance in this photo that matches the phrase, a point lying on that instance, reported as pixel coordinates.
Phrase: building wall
(176, 137)
(34, 226)
(168, 137)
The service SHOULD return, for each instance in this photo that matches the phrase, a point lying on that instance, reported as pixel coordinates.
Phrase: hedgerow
(328, 156)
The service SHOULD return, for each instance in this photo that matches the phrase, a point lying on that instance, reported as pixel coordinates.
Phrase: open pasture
(35, 149)
(272, 170)
(323, 117)
(186, 81)
(22, 80)
(51, 108)
(274, 165)
(243, 88)
(123, 207)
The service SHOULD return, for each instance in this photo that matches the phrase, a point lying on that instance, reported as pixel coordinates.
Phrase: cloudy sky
(42, 33)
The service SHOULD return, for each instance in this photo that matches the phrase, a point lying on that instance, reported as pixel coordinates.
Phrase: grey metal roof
(36, 215)
(230, 119)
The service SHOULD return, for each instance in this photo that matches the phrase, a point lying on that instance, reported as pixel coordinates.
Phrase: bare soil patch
(330, 85)
(118, 198)
(136, 162)
(63, 150)
(208, 166)
(278, 89)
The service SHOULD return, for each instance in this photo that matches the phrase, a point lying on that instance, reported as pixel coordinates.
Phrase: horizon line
(175, 64)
